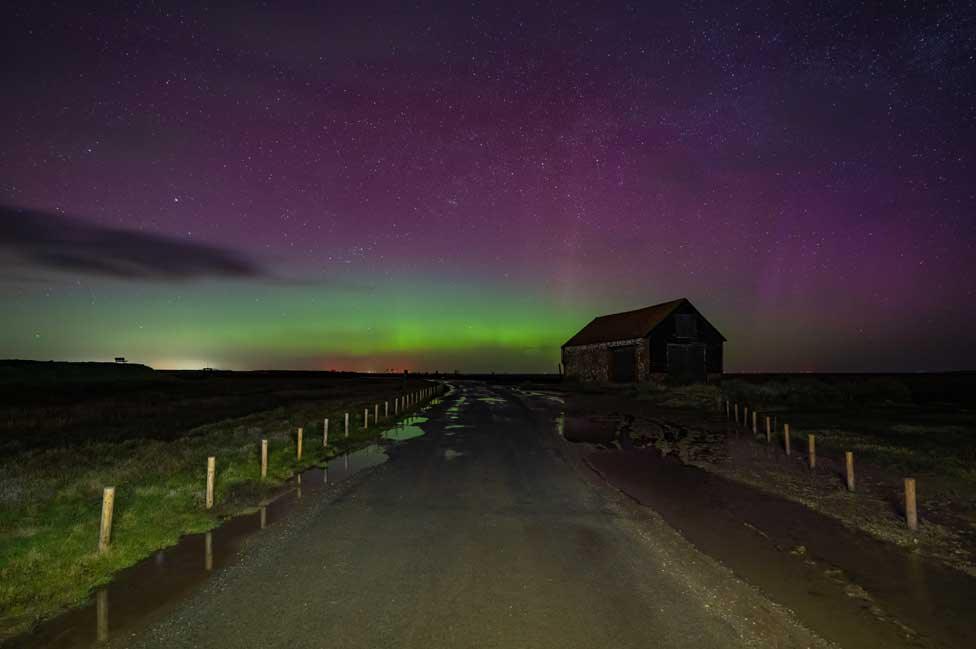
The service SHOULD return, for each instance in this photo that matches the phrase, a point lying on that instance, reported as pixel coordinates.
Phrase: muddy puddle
(850, 588)
(593, 430)
(144, 592)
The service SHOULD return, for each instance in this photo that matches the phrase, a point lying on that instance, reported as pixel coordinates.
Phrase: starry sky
(463, 186)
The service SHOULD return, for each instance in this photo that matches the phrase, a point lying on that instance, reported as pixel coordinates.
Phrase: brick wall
(591, 363)
(588, 363)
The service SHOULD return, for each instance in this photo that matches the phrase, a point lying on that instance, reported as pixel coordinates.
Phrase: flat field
(69, 430)
(920, 426)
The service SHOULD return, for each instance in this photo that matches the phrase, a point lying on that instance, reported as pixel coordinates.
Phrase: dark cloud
(56, 242)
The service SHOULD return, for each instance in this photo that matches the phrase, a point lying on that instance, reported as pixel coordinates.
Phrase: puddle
(456, 408)
(849, 587)
(593, 430)
(408, 428)
(141, 594)
(491, 400)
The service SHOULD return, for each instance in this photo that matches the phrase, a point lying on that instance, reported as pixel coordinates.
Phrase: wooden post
(264, 459)
(325, 432)
(376, 412)
(365, 418)
(812, 450)
(105, 530)
(849, 461)
(298, 454)
(911, 513)
(737, 413)
(386, 410)
(786, 437)
(211, 476)
(264, 517)
(745, 415)
(347, 424)
(754, 427)
(396, 405)
(769, 430)
(728, 410)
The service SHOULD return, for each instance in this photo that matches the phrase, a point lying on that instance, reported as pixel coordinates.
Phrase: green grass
(50, 499)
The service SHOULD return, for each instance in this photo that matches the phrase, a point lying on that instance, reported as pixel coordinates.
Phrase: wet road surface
(481, 532)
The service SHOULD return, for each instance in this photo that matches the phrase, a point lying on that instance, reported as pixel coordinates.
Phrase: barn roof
(624, 326)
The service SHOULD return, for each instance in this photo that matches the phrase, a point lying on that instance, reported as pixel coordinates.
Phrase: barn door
(686, 362)
(623, 364)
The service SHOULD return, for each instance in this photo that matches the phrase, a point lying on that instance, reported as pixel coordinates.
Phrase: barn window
(686, 325)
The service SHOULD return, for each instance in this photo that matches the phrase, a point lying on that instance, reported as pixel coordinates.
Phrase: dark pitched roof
(624, 326)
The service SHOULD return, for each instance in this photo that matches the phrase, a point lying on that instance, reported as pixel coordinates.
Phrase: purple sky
(803, 172)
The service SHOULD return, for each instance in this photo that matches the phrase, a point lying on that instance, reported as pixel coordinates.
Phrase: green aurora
(420, 325)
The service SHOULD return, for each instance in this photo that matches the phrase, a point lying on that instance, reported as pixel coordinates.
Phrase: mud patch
(850, 587)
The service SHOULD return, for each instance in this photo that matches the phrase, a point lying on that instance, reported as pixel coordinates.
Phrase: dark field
(69, 430)
(46, 405)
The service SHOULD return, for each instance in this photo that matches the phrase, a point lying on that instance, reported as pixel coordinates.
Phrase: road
(484, 532)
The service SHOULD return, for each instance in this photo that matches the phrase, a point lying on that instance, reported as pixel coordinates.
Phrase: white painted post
(325, 432)
(386, 410)
(347, 424)
(365, 418)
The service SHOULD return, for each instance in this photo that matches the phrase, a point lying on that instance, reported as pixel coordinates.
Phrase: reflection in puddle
(456, 408)
(491, 400)
(408, 428)
(142, 593)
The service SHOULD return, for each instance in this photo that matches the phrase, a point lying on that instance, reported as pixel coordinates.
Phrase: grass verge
(50, 500)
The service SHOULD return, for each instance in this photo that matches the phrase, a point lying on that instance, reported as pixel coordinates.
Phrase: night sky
(463, 186)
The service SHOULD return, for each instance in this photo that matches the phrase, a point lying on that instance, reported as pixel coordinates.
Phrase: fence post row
(772, 422)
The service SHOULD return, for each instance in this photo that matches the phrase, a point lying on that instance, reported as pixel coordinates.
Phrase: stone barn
(671, 338)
